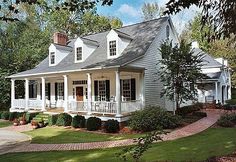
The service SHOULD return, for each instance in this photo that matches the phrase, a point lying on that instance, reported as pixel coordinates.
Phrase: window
(52, 57)
(102, 90)
(33, 90)
(167, 32)
(79, 82)
(79, 53)
(126, 89)
(112, 48)
(60, 91)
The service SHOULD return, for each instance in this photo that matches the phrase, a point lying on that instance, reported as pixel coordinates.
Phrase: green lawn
(213, 142)
(5, 123)
(62, 135)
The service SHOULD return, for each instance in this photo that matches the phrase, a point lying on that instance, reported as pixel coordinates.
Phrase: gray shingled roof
(142, 36)
(208, 61)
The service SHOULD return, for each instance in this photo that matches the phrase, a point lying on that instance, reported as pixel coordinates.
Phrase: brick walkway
(194, 128)
(20, 128)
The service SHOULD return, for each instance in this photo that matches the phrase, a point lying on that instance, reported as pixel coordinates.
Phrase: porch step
(40, 117)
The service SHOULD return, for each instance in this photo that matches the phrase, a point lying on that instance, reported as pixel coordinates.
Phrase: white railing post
(26, 93)
(12, 93)
(65, 93)
(43, 95)
(89, 82)
(118, 97)
(216, 92)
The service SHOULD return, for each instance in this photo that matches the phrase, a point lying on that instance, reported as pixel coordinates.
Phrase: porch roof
(142, 36)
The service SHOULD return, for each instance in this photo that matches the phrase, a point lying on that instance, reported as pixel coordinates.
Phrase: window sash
(112, 48)
(52, 57)
(60, 91)
(126, 89)
(102, 90)
(79, 53)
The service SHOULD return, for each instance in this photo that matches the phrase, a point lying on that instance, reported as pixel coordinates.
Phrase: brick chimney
(60, 38)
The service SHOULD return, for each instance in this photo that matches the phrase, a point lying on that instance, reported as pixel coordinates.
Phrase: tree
(10, 9)
(179, 70)
(220, 14)
(150, 11)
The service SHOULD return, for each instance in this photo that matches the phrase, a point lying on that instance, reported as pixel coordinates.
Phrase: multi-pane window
(126, 89)
(52, 57)
(79, 53)
(102, 90)
(60, 91)
(112, 48)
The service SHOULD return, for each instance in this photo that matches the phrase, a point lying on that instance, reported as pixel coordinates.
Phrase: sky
(129, 11)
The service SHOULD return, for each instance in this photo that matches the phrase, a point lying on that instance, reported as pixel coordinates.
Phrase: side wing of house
(153, 86)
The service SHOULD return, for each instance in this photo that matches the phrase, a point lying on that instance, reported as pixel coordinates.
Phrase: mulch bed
(227, 158)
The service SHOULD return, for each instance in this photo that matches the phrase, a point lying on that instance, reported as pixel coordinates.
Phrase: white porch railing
(19, 103)
(130, 106)
(104, 107)
(78, 106)
(35, 104)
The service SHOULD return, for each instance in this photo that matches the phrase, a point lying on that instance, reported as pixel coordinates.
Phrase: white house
(108, 74)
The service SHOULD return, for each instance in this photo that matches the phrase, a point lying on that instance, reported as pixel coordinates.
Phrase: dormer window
(52, 57)
(79, 53)
(112, 48)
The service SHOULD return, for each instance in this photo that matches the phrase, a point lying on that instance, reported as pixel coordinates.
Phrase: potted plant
(15, 122)
(34, 124)
(23, 120)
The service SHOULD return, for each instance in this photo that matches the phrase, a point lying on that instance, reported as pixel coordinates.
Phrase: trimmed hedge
(1, 114)
(227, 120)
(64, 119)
(152, 118)
(19, 114)
(112, 126)
(78, 121)
(12, 116)
(189, 109)
(30, 116)
(52, 119)
(5, 115)
(93, 123)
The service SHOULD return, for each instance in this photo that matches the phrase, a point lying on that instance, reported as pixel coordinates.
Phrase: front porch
(114, 92)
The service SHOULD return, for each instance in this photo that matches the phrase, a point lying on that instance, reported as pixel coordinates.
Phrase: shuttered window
(59, 91)
(128, 89)
(102, 90)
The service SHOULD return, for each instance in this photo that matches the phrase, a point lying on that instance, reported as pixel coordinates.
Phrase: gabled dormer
(83, 48)
(116, 43)
(58, 50)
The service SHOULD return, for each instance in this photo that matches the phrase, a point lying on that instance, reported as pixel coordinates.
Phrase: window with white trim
(78, 53)
(60, 91)
(102, 90)
(112, 48)
(126, 89)
(52, 57)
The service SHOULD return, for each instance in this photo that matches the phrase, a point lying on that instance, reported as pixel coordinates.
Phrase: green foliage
(5, 115)
(143, 144)
(93, 123)
(189, 109)
(150, 11)
(64, 119)
(112, 126)
(153, 118)
(52, 120)
(12, 116)
(179, 70)
(200, 114)
(78, 121)
(227, 120)
(30, 116)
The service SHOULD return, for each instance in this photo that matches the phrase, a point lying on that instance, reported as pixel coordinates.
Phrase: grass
(5, 123)
(49, 135)
(212, 142)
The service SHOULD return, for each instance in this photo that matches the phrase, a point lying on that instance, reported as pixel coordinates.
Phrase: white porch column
(89, 93)
(43, 95)
(65, 93)
(216, 92)
(142, 89)
(12, 92)
(26, 93)
(118, 95)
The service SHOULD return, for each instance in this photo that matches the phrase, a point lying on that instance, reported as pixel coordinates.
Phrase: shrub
(52, 120)
(231, 102)
(19, 114)
(93, 123)
(30, 116)
(5, 115)
(112, 126)
(1, 114)
(200, 114)
(227, 120)
(12, 116)
(151, 118)
(78, 121)
(64, 119)
(189, 109)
